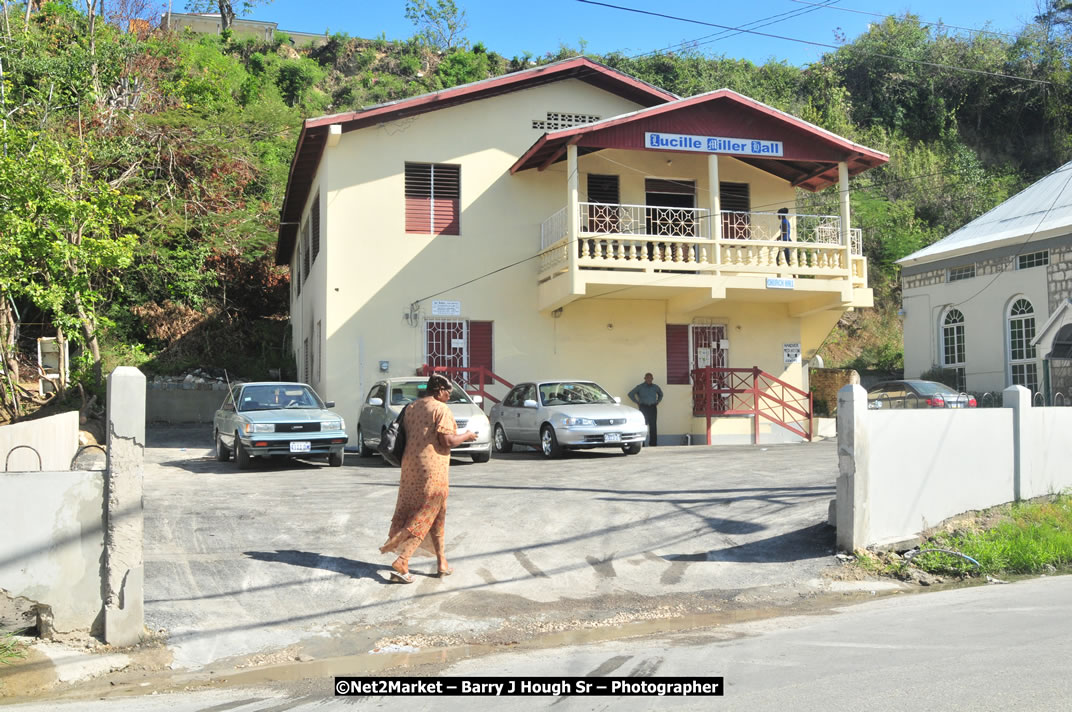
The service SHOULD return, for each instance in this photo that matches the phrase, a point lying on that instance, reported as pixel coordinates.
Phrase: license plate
(300, 446)
(612, 438)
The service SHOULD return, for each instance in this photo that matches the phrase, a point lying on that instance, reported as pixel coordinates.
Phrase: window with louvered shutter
(305, 251)
(677, 354)
(433, 198)
(735, 198)
(315, 225)
(603, 189)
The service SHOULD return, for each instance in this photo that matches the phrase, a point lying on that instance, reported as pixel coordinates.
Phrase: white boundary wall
(904, 471)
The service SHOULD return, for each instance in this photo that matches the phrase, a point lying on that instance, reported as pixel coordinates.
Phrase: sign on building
(442, 307)
(713, 144)
(791, 352)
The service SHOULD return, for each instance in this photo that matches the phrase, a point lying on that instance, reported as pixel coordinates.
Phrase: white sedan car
(556, 415)
(387, 398)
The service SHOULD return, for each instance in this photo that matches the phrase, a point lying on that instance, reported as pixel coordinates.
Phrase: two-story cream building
(569, 221)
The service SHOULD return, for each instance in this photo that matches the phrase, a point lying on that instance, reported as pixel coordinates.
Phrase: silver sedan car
(555, 415)
(271, 419)
(386, 399)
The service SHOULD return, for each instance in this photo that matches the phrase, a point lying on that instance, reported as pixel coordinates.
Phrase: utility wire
(895, 58)
(714, 37)
(929, 24)
(1023, 245)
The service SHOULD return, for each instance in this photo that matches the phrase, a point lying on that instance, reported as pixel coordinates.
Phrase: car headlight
(260, 427)
(579, 421)
(335, 424)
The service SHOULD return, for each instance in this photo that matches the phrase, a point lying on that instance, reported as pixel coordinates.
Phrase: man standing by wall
(647, 396)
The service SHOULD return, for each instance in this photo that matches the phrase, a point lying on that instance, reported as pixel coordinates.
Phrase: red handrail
(751, 391)
(473, 379)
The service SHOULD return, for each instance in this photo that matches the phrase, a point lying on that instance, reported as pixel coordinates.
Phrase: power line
(774, 19)
(937, 65)
(1023, 245)
(922, 22)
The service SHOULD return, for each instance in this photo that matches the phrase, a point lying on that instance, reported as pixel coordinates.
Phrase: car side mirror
(478, 399)
(329, 404)
(529, 403)
(617, 399)
(375, 401)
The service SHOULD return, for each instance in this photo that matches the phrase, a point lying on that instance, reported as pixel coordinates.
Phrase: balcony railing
(651, 238)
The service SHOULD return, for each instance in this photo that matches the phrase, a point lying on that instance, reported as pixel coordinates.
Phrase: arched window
(1023, 368)
(953, 349)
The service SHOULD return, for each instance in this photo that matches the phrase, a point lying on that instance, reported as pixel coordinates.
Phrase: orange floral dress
(421, 508)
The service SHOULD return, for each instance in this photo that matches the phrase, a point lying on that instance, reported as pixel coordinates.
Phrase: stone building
(990, 301)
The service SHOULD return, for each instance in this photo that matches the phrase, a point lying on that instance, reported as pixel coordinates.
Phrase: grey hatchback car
(556, 415)
(386, 399)
(266, 419)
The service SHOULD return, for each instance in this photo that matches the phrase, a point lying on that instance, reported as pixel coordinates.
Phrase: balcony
(657, 252)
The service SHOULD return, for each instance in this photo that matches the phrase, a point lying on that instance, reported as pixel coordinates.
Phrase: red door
(709, 351)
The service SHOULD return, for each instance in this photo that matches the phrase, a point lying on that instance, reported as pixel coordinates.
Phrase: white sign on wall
(780, 283)
(791, 352)
(713, 144)
(457, 343)
(441, 307)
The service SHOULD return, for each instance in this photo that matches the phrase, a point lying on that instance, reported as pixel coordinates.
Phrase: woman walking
(420, 517)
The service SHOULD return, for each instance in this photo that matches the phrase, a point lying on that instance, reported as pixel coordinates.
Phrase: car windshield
(928, 388)
(409, 391)
(283, 395)
(573, 393)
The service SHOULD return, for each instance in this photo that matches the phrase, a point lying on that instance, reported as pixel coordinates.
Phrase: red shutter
(480, 344)
(677, 354)
(433, 202)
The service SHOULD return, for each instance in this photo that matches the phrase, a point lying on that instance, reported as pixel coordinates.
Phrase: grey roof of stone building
(1042, 210)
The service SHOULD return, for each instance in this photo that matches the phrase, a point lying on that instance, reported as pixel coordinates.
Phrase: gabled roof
(811, 153)
(314, 132)
(1040, 211)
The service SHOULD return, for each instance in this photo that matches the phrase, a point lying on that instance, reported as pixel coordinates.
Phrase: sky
(512, 28)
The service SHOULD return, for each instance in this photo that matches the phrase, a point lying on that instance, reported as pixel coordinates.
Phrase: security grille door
(708, 352)
(447, 343)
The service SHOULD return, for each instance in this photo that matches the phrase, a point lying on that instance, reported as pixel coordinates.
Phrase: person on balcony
(783, 224)
(647, 396)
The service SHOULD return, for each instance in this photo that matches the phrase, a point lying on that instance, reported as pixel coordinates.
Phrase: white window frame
(957, 274)
(944, 357)
(1035, 257)
(1031, 360)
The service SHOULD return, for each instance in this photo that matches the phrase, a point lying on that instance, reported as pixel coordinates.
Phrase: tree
(440, 24)
(226, 8)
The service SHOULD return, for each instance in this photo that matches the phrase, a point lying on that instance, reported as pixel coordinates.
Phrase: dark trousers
(651, 416)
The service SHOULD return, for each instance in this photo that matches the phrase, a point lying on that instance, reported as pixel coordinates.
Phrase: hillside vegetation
(141, 175)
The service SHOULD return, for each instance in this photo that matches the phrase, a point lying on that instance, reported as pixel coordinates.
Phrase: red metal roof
(810, 154)
(314, 131)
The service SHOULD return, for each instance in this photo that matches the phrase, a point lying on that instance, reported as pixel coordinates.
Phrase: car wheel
(502, 444)
(631, 448)
(363, 450)
(241, 455)
(335, 458)
(481, 456)
(549, 443)
(223, 453)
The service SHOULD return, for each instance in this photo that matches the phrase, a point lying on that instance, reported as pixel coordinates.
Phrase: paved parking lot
(286, 555)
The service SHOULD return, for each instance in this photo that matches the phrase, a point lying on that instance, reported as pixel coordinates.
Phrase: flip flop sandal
(401, 578)
(446, 572)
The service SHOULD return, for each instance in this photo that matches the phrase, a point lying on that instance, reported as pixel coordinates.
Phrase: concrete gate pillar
(124, 570)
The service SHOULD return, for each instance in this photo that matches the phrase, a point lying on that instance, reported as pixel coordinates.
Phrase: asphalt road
(998, 648)
(242, 563)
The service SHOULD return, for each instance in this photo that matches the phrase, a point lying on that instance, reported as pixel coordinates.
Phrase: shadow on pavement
(814, 542)
(338, 564)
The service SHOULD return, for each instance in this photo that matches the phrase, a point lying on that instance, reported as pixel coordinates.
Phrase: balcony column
(843, 197)
(714, 204)
(573, 219)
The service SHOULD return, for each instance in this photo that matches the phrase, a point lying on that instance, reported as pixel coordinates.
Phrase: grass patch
(1025, 538)
(10, 649)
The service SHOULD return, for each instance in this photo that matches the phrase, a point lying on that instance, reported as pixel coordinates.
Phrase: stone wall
(825, 384)
(1059, 276)
(191, 398)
